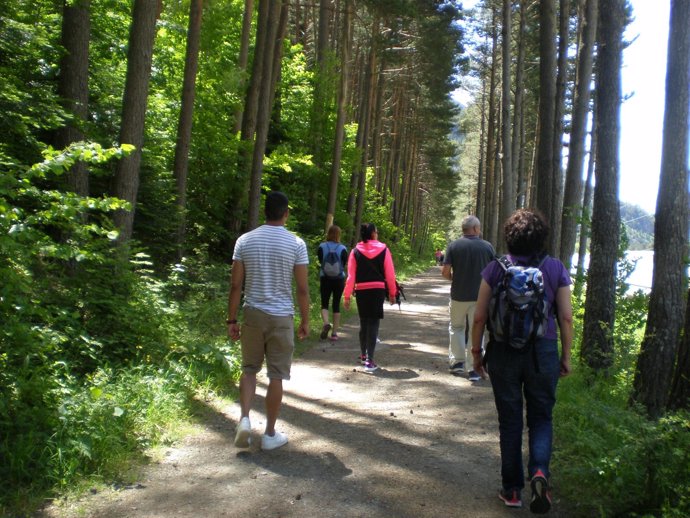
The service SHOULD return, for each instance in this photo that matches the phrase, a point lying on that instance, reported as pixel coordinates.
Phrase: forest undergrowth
(103, 356)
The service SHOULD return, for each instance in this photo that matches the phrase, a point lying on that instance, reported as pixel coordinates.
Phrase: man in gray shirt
(463, 263)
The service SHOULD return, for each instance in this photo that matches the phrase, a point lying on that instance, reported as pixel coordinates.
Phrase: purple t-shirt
(555, 277)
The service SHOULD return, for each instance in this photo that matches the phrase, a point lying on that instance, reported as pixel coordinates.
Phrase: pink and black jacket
(374, 270)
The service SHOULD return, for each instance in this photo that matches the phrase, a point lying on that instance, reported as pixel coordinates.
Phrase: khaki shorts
(270, 337)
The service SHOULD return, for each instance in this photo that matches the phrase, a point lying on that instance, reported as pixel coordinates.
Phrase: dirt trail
(407, 441)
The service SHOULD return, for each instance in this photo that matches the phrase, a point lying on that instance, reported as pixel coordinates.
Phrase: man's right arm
(301, 279)
(446, 272)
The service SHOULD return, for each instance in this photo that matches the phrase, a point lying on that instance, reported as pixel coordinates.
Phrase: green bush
(609, 459)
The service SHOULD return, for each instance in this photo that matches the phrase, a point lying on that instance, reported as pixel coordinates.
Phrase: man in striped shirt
(265, 261)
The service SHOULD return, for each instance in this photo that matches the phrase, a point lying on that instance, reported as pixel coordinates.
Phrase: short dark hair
(526, 232)
(366, 231)
(276, 205)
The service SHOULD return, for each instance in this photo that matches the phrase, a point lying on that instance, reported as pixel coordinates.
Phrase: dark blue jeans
(514, 375)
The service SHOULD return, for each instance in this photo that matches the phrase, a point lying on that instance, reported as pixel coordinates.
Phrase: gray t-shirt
(467, 257)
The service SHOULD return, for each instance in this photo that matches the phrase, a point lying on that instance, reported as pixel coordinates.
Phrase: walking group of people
(267, 259)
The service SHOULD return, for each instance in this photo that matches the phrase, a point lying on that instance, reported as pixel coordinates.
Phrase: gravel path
(410, 440)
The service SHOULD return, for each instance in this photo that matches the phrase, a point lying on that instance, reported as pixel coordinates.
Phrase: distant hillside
(639, 225)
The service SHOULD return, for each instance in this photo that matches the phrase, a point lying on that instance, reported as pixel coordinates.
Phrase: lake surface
(641, 277)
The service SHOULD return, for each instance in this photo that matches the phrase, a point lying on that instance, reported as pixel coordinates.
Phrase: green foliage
(95, 356)
(609, 459)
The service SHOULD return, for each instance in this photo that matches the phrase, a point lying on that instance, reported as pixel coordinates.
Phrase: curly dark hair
(526, 232)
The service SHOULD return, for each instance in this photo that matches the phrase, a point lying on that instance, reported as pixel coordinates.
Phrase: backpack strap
(504, 262)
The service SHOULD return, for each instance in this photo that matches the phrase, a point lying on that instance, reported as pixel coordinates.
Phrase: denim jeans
(533, 373)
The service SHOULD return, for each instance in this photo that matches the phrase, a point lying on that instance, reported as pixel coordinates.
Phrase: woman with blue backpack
(332, 258)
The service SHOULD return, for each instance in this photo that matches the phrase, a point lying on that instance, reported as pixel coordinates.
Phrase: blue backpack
(332, 266)
(518, 309)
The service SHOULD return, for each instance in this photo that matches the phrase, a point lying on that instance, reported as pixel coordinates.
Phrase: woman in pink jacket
(370, 272)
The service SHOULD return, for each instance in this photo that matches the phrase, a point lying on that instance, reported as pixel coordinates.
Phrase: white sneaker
(243, 434)
(271, 443)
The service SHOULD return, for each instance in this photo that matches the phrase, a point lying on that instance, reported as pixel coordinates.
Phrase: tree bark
(585, 217)
(665, 316)
(73, 84)
(319, 115)
(345, 50)
(243, 57)
(508, 191)
(518, 116)
(490, 180)
(364, 122)
(572, 198)
(480, 206)
(561, 86)
(600, 304)
(184, 126)
(680, 388)
(263, 116)
(139, 59)
(547, 102)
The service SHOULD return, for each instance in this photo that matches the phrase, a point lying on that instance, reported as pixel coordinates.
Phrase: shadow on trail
(407, 441)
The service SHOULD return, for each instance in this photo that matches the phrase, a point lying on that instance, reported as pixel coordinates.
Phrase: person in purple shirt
(532, 375)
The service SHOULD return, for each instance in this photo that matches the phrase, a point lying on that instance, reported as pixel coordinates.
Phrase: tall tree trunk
(480, 206)
(319, 113)
(139, 59)
(680, 388)
(600, 305)
(263, 115)
(239, 205)
(365, 119)
(376, 151)
(508, 191)
(665, 318)
(184, 126)
(561, 86)
(585, 216)
(345, 49)
(547, 102)
(518, 151)
(73, 84)
(243, 57)
(572, 198)
(490, 182)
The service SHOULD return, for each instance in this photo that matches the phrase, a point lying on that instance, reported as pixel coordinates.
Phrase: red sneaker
(510, 497)
(541, 494)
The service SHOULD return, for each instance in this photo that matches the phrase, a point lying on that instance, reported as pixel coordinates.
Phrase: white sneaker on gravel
(271, 443)
(243, 434)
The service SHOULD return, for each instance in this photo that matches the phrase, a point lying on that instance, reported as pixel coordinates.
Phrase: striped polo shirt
(269, 254)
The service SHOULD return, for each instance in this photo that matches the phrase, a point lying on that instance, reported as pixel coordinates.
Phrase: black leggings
(334, 286)
(368, 332)
(370, 309)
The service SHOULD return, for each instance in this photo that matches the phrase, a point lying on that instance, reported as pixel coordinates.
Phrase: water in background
(641, 277)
